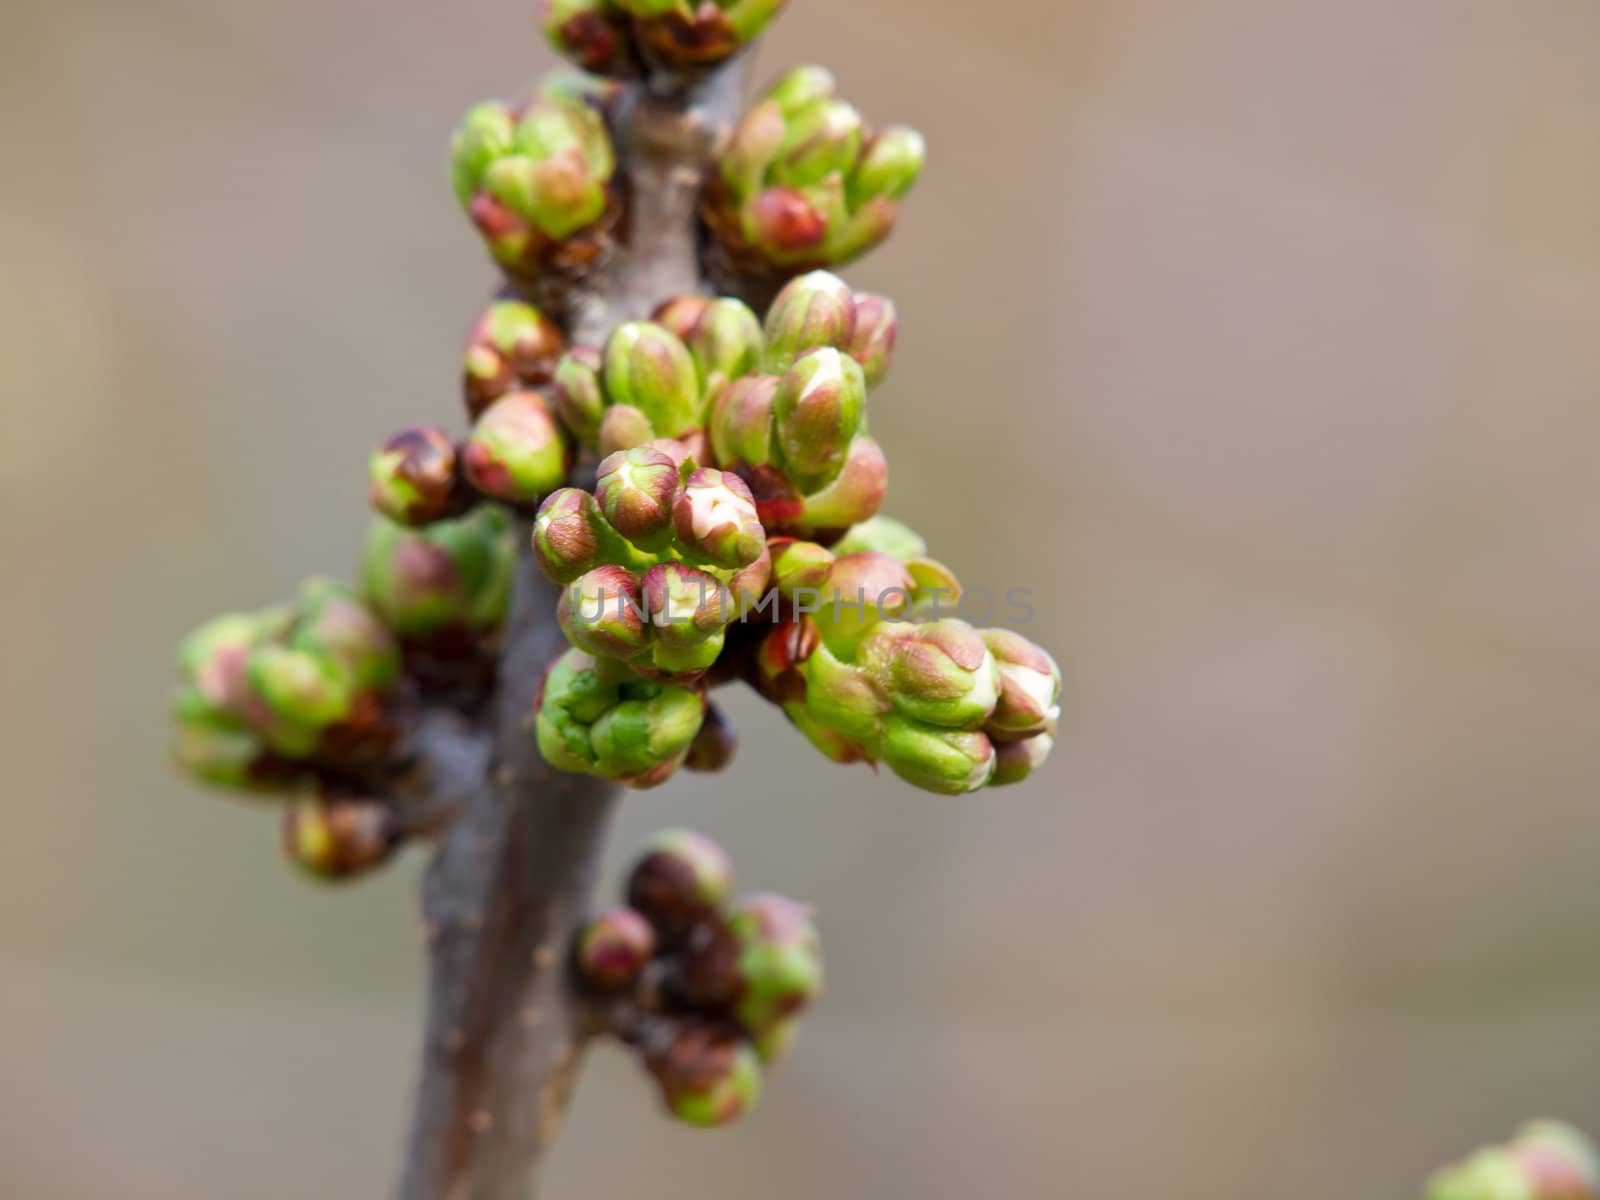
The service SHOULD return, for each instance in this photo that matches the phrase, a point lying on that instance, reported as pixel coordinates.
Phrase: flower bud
(603, 613)
(578, 396)
(817, 411)
(637, 732)
(716, 518)
(486, 133)
(872, 343)
(215, 749)
(950, 762)
(449, 574)
(1030, 687)
(853, 497)
(786, 226)
(845, 698)
(636, 490)
(882, 535)
(517, 451)
(569, 534)
(624, 427)
(741, 421)
(651, 370)
(714, 746)
(613, 949)
(940, 672)
(708, 1076)
(680, 314)
(811, 312)
(1016, 761)
(339, 839)
(1558, 1161)
(774, 1043)
(679, 882)
(890, 165)
(799, 566)
(413, 477)
(861, 591)
(588, 32)
(687, 607)
(726, 341)
(213, 657)
(513, 344)
(801, 87)
(337, 628)
(822, 139)
(301, 689)
(780, 959)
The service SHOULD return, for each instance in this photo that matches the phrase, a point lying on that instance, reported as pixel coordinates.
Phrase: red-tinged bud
(747, 587)
(726, 342)
(613, 949)
(861, 591)
(709, 1076)
(872, 344)
(577, 393)
(799, 566)
(780, 960)
(569, 534)
(517, 451)
(812, 312)
(603, 614)
(939, 672)
(785, 226)
(414, 479)
(680, 315)
(817, 411)
(339, 839)
(741, 421)
(513, 345)
(714, 746)
(716, 517)
(679, 882)
(623, 428)
(649, 368)
(686, 606)
(1030, 687)
(950, 762)
(853, 497)
(589, 32)
(636, 490)
(1015, 761)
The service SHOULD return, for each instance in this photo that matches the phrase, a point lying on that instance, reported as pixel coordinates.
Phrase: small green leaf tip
(262, 693)
(414, 477)
(636, 732)
(805, 182)
(1547, 1160)
(709, 1075)
(679, 881)
(536, 180)
(613, 950)
(513, 346)
(339, 839)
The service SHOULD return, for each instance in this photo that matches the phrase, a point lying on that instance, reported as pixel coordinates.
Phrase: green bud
(950, 762)
(741, 421)
(821, 140)
(817, 411)
(413, 477)
(708, 1076)
(579, 398)
(337, 628)
(861, 591)
(613, 949)
(716, 743)
(517, 452)
(890, 165)
(651, 370)
(726, 342)
(564, 196)
(940, 673)
(780, 959)
(680, 315)
(1030, 687)
(798, 566)
(833, 744)
(1559, 1161)
(213, 657)
(1015, 761)
(635, 732)
(748, 18)
(512, 345)
(882, 535)
(812, 312)
(486, 134)
(801, 88)
(846, 698)
(450, 574)
(636, 490)
(223, 756)
(686, 606)
(716, 518)
(603, 613)
(751, 150)
(774, 1043)
(679, 881)
(339, 839)
(872, 343)
(300, 688)
(570, 535)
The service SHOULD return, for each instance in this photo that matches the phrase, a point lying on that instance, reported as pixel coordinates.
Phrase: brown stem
(514, 872)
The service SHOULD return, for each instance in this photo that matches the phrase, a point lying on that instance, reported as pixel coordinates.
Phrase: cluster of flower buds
(805, 183)
(611, 37)
(538, 180)
(868, 669)
(1545, 1161)
(655, 563)
(443, 591)
(709, 993)
(266, 697)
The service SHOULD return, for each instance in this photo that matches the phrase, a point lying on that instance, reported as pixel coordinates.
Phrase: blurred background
(1260, 338)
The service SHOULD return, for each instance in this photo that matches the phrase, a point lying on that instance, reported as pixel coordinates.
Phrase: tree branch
(514, 872)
